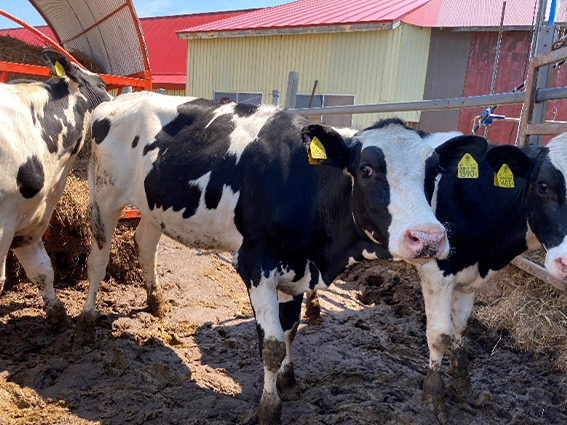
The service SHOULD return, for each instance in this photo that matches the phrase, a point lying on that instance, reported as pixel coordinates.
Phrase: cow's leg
(312, 307)
(437, 295)
(102, 222)
(147, 239)
(6, 236)
(259, 275)
(39, 270)
(459, 365)
(290, 312)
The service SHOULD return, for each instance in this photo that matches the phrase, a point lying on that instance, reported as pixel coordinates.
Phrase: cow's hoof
(57, 316)
(85, 332)
(288, 387)
(434, 393)
(313, 309)
(459, 371)
(158, 307)
(270, 410)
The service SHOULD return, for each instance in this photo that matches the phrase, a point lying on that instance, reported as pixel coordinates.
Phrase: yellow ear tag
(59, 70)
(504, 177)
(467, 167)
(316, 152)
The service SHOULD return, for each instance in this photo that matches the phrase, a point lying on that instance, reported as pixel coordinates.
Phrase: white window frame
(319, 118)
(238, 93)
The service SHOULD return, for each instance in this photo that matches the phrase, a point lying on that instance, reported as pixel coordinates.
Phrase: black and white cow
(487, 226)
(42, 127)
(237, 177)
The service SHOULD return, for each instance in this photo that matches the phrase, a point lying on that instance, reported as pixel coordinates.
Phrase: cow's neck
(344, 242)
(62, 118)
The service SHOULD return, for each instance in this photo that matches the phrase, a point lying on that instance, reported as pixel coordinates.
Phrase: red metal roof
(27, 36)
(472, 13)
(168, 54)
(308, 13)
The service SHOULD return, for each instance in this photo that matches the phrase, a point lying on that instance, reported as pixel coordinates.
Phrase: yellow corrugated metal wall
(375, 66)
(172, 92)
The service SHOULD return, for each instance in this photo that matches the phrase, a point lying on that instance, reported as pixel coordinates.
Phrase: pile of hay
(534, 313)
(14, 50)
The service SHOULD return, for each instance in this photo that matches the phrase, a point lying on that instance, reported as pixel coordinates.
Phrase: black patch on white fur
(31, 177)
(100, 129)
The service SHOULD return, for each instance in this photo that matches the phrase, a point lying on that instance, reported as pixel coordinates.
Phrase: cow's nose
(562, 266)
(426, 243)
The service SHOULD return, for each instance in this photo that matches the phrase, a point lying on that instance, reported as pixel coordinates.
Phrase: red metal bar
(96, 24)
(140, 37)
(130, 213)
(122, 81)
(21, 68)
(41, 35)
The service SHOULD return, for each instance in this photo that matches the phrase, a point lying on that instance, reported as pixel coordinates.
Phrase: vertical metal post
(496, 57)
(291, 93)
(312, 94)
(276, 97)
(544, 42)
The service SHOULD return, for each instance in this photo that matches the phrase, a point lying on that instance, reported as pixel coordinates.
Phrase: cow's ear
(518, 161)
(60, 65)
(452, 151)
(325, 146)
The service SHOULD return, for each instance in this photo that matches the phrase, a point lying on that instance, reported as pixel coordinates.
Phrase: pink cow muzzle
(426, 243)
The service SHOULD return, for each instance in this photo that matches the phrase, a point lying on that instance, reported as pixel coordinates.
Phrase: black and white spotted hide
(42, 127)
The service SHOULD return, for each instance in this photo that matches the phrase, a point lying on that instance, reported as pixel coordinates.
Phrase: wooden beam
(539, 272)
(550, 127)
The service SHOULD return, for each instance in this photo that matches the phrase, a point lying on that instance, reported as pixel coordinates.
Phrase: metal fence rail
(543, 94)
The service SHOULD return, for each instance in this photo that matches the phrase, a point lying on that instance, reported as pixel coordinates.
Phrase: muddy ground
(364, 364)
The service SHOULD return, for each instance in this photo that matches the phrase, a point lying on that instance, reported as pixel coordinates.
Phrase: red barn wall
(512, 70)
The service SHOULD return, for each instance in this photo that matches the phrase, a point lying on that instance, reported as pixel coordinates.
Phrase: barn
(357, 52)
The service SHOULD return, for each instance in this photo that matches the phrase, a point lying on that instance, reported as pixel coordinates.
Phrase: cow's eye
(366, 171)
(542, 187)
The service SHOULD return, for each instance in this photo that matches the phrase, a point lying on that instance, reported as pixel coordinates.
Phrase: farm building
(358, 52)
(461, 59)
(369, 52)
(167, 54)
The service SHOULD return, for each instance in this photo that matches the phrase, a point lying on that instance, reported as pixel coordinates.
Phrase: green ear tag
(59, 70)
(467, 167)
(504, 177)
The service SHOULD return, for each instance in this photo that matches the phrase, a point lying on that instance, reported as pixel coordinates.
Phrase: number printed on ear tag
(316, 152)
(504, 177)
(467, 167)
(317, 149)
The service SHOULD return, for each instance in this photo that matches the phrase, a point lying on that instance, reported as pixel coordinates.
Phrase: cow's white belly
(207, 228)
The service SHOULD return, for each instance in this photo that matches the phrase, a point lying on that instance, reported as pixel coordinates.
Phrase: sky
(22, 9)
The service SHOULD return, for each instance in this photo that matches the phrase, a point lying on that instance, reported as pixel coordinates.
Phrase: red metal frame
(138, 81)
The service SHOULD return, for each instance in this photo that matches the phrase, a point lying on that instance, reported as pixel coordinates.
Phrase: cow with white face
(516, 201)
(42, 127)
(295, 201)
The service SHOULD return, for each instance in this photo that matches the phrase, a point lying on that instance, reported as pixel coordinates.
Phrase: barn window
(250, 98)
(324, 100)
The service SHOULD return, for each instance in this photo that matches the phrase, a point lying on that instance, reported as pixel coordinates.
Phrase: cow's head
(545, 169)
(393, 174)
(90, 85)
